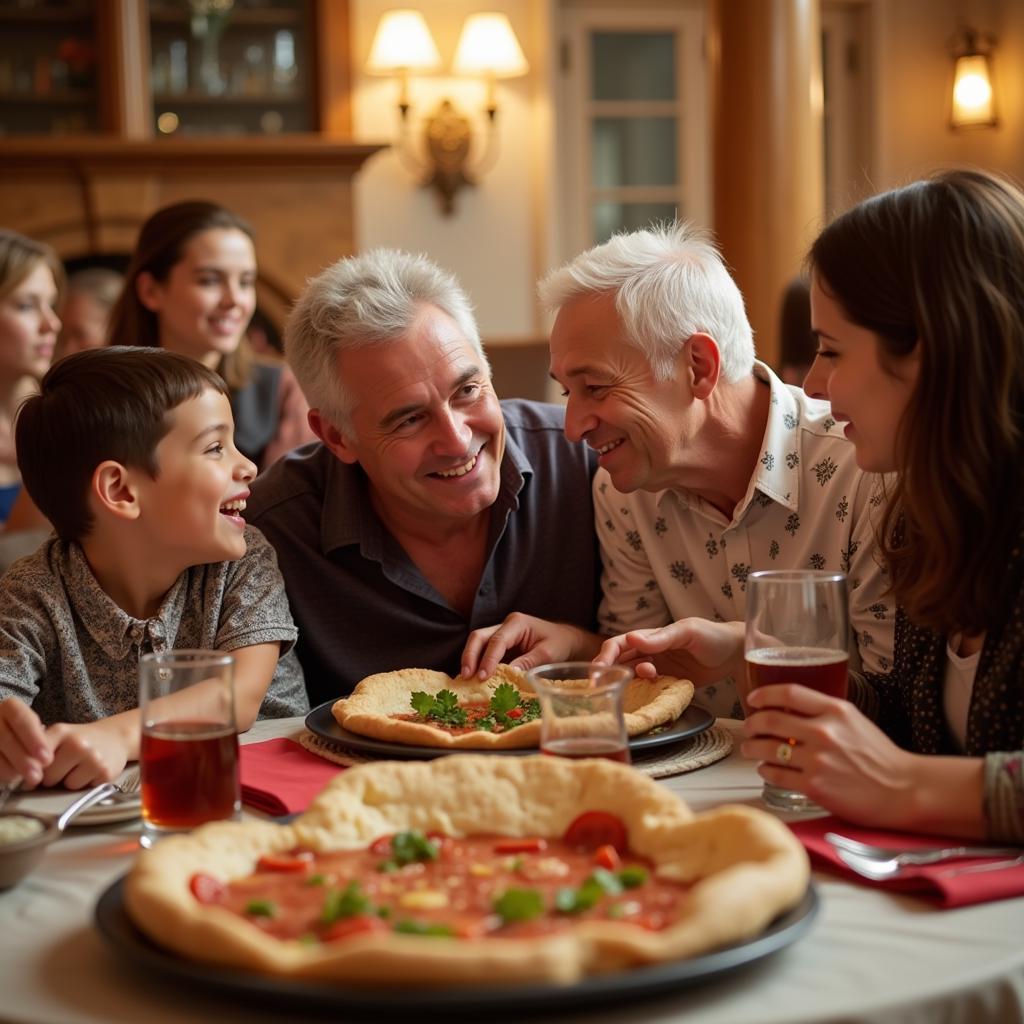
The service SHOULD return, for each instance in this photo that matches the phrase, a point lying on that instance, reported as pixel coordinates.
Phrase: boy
(129, 453)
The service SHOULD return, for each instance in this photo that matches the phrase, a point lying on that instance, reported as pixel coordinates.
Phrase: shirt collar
(349, 517)
(111, 627)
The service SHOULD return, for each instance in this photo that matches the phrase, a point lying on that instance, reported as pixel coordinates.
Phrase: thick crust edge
(745, 865)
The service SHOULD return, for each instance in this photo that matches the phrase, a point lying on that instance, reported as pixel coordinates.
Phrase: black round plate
(130, 944)
(321, 722)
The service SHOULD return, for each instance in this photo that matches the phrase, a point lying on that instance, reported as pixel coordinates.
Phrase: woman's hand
(843, 761)
(89, 753)
(696, 649)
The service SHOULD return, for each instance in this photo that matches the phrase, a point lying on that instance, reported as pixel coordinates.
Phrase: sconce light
(488, 49)
(973, 101)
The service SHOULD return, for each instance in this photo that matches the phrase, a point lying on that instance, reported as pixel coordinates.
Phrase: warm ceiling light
(973, 104)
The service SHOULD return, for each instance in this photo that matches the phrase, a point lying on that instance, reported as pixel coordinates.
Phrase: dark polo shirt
(360, 603)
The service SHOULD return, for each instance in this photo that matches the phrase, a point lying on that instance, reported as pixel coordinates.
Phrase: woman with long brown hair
(191, 288)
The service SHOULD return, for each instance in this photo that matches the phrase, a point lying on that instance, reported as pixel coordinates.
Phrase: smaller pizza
(470, 870)
(424, 708)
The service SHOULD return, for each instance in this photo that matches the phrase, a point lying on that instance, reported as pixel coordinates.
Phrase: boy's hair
(104, 403)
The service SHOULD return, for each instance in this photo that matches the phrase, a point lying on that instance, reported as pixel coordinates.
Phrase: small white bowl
(17, 859)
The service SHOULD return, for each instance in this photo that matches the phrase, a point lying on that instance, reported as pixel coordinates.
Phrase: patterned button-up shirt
(671, 554)
(68, 650)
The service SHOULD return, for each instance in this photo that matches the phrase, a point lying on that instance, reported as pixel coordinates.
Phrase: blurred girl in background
(31, 279)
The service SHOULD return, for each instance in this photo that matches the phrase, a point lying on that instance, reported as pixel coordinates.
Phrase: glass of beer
(582, 709)
(797, 631)
(189, 749)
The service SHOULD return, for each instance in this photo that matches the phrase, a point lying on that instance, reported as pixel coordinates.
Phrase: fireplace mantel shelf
(59, 154)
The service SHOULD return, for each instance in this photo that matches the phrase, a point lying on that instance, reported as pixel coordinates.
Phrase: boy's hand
(85, 755)
(24, 747)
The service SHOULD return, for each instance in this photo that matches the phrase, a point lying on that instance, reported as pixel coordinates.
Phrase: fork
(128, 786)
(926, 855)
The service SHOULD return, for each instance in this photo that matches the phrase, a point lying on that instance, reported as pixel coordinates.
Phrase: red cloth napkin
(280, 777)
(933, 881)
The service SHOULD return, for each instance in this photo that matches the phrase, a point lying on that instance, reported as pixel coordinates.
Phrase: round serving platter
(322, 723)
(130, 944)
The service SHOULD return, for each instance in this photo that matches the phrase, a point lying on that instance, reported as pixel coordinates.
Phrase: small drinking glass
(188, 754)
(581, 709)
(797, 631)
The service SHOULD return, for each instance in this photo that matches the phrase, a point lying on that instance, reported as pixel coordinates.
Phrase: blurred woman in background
(191, 288)
(31, 279)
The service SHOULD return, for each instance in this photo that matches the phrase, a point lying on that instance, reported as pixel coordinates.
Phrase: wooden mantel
(90, 194)
(249, 154)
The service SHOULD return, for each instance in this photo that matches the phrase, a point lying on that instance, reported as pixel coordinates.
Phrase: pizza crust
(746, 867)
(367, 711)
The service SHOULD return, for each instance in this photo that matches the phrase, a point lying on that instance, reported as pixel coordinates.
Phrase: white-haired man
(427, 508)
(710, 468)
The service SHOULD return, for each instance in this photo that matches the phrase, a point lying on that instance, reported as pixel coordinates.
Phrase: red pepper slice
(514, 713)
(358, 924)
(290, 863)
(594, 829)
(206, 888)
(381, 847)
(528, 844)
(608, 857)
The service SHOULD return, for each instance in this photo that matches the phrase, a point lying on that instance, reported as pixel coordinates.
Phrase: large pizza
(470, 870)
(431, 709)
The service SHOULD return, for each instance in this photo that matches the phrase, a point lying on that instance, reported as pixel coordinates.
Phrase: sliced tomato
(358, 924)
(515, 713)
(381, 847)
(290, 863)
(594, 829)
(607, 857)
(528, 844)
(206, 888)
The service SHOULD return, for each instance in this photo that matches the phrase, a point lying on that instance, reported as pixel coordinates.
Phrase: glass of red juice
(188, 754)
(582, 709)
(797, 631)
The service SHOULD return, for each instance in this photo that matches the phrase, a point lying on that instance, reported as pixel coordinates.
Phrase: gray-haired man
(428, 508)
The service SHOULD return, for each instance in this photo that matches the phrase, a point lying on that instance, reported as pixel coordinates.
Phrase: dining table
(868, 955)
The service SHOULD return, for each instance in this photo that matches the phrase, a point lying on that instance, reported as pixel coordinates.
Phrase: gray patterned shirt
(670, 554)
(71, 653)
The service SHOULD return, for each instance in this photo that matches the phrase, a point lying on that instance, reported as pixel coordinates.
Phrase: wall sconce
(973, 101)
(488, 49)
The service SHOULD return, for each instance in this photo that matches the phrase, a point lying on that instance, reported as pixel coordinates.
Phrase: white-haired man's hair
(669, 283)
(365, 300)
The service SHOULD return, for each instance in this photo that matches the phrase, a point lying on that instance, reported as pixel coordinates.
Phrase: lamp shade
(973, 101)
(488, 45)
(402, 43)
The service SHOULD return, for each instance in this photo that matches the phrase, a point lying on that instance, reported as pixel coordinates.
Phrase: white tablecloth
(870, 956)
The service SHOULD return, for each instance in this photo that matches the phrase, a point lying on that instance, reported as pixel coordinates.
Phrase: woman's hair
(669, 283)
(19, 256)
(160, 246)
(938, 266)
(365, 300)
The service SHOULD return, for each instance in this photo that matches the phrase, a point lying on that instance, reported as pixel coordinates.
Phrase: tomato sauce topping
(480, 886)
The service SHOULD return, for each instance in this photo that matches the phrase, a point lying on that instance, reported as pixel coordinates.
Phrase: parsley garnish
(519, 905)
(407, 848)
(505, 699)
(443, 708)
(342, 903)
(600, 883)
(632, 877)
(261, 908)
(407, 927)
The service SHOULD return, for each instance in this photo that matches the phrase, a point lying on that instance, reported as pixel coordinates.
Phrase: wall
(490, 240)
(914, 75)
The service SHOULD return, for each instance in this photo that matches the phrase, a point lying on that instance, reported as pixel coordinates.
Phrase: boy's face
(193, 509)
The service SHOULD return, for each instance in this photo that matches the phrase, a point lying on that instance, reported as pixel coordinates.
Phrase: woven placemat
(703, 749)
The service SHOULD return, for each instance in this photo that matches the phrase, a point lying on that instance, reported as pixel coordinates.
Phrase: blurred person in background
(85, 312)
(191, 288)
(31, 280)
